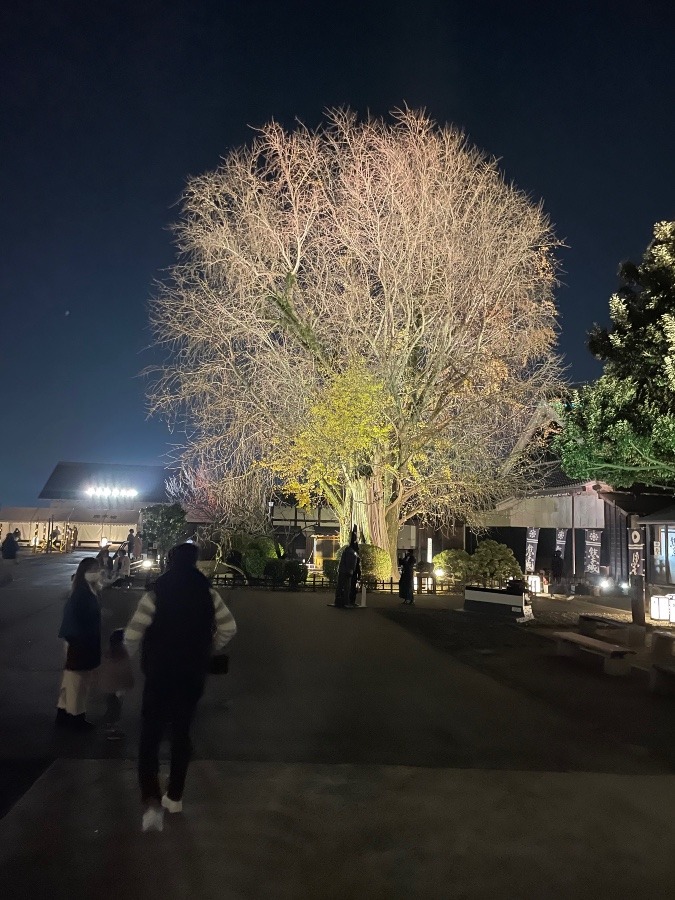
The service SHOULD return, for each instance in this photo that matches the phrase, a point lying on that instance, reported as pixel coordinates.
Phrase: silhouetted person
(557, 566)
(406, 584)
(180, 623)
(81, 630)
(10, 547)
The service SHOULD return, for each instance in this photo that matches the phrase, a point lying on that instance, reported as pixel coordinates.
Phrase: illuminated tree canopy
(361, 315)
(621, 428)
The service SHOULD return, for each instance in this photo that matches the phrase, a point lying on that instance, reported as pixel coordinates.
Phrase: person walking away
(406, 584)
(81, 630)
(130, 542)
(10, 547)
(138, 547)
(179, 624)
(115, 678)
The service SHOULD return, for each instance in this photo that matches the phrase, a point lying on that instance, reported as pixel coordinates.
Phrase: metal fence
(316, 581)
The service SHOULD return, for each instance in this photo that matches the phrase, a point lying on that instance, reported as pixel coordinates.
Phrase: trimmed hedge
(257, 554)
(493, 561)
(330, 570)
(286, 571)
(455, 563)
(375, 563)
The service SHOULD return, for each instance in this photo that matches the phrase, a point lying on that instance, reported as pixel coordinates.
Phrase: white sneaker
(153, 819)
(174, 806)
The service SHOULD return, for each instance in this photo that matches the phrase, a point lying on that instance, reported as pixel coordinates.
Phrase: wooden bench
(662, 646)
(614, 657)
(662, 677)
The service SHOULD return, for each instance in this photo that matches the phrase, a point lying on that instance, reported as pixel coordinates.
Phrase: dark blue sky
(108, 107)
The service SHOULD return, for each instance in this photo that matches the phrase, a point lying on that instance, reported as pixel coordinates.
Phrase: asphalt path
(381, 752)
(315, 684)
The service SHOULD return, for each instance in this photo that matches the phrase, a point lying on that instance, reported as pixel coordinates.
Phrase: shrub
(455, 564)
(282, 571)
(257, 554)
(375, 563)
(274, 571)
(295, 573)
(330, 570)
(493, 562)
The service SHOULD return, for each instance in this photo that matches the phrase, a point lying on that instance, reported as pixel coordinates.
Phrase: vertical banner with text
(532, 540)
(560, 540)
(592, 551)
(636, 551)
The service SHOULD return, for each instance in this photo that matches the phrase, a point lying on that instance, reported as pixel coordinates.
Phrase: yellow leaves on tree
(345, 430)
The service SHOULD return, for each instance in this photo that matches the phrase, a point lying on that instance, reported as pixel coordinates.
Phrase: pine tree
(621, 428)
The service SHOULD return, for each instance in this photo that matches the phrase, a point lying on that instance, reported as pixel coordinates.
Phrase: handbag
(219, 664)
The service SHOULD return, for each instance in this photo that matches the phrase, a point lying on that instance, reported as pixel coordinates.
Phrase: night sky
(107, 107)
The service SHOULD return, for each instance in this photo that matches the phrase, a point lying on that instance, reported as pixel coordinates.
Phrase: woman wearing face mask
(81, 629)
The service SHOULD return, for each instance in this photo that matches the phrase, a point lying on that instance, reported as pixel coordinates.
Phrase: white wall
(550, 512)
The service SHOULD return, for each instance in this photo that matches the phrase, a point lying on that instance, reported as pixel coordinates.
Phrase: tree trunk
(393, 528)
(366, 508)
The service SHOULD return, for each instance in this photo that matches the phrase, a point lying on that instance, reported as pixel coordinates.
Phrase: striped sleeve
(225, 624)
(145, 613)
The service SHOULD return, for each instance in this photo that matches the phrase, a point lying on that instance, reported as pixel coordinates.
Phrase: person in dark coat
(178, 624)
(406, 584)
(81, 630)
(347, 569)
(557, 566)
(356, 578)
(10, 547)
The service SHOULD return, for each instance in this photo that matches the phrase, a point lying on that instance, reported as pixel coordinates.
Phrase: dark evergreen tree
(621, 428)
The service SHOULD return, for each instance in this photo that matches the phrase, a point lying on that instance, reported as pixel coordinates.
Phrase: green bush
(274, 571)
(330, 570)
(295, 573)
(493, 562)
(255, 556)
(454, 563)
(375, 563)
(286, 571)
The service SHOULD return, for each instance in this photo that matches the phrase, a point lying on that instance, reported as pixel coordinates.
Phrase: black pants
(113, 709)
(167, 701)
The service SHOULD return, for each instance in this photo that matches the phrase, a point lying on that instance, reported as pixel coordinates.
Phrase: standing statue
(349, 571)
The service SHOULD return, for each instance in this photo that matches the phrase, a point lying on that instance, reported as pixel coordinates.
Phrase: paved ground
(387, 752)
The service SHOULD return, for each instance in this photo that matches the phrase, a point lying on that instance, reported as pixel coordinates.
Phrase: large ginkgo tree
(361, 315)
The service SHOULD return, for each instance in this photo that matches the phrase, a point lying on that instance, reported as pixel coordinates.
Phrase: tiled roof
(663, 517)
(556, 478)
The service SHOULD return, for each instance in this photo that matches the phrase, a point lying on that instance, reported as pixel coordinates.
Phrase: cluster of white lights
(111, 492)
